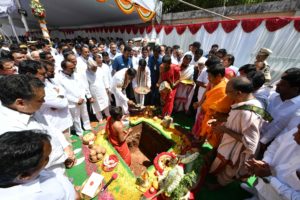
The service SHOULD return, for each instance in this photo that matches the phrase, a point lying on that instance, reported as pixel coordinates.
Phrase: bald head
(35, 55)
(241, 84)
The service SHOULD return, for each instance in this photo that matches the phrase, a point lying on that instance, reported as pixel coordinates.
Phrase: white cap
(265, 51)
(135, 49)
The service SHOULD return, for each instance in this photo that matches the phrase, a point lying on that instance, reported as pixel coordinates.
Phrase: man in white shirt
(98, 87)
(24, 155)
(241, 132)
(82, 60)
(113, 51)
(59, 56)
(21, 96)
(284, 106)
(75, 93)
(55, 108)
(279, 171)
(120, 81)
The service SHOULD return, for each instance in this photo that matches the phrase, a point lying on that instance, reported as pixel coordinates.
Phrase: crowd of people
(49, 89)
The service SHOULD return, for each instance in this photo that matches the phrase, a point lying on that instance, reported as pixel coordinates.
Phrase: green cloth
(260, 111)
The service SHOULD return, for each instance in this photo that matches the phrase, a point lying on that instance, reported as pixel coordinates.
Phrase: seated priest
(117, 135)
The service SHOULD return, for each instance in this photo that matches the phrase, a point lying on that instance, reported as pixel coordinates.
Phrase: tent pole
(13, 27)
(42, 21)
(23, 18)
(205, 10)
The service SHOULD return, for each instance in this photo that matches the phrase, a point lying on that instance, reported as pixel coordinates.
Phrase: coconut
(93, 152)
(103, 150)
(100, 156)
(94, 158)
(98, 149)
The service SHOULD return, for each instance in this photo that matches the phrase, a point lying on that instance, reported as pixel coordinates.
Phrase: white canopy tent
(81, 14)
(74, 13)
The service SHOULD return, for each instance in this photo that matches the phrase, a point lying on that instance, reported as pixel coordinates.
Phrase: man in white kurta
(120, 81)
(98, 87)
(75, 93)
(14, 117)
(280, 167)
(82, 60)
(55, 109)
(241, 133)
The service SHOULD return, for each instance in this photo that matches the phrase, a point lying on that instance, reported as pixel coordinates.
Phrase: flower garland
(38, 10)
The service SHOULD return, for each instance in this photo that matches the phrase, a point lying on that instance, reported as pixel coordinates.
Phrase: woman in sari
(116, 134)
(171, 74)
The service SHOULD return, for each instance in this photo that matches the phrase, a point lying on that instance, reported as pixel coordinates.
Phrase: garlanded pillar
(38, 11)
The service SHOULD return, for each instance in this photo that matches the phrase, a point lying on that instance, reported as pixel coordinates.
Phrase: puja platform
(148, 139)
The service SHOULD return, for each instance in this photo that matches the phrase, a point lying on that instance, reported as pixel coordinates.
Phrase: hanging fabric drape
(144, 8)
(242, 38)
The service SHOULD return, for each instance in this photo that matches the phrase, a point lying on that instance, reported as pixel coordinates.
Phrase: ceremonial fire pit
(144, 143)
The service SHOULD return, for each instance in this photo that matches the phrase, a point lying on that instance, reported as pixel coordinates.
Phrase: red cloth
(180, 29)
(210, 27)
(142, 29)
(122, 148)
(158, 28)
(273, 24)
(194, 28)
(250, 25)
(128, 29)
(171, 76)
(229, 26)
(135, 29)
(168, 29)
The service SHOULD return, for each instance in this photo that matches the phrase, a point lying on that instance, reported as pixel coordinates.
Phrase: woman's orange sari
(215, 101)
